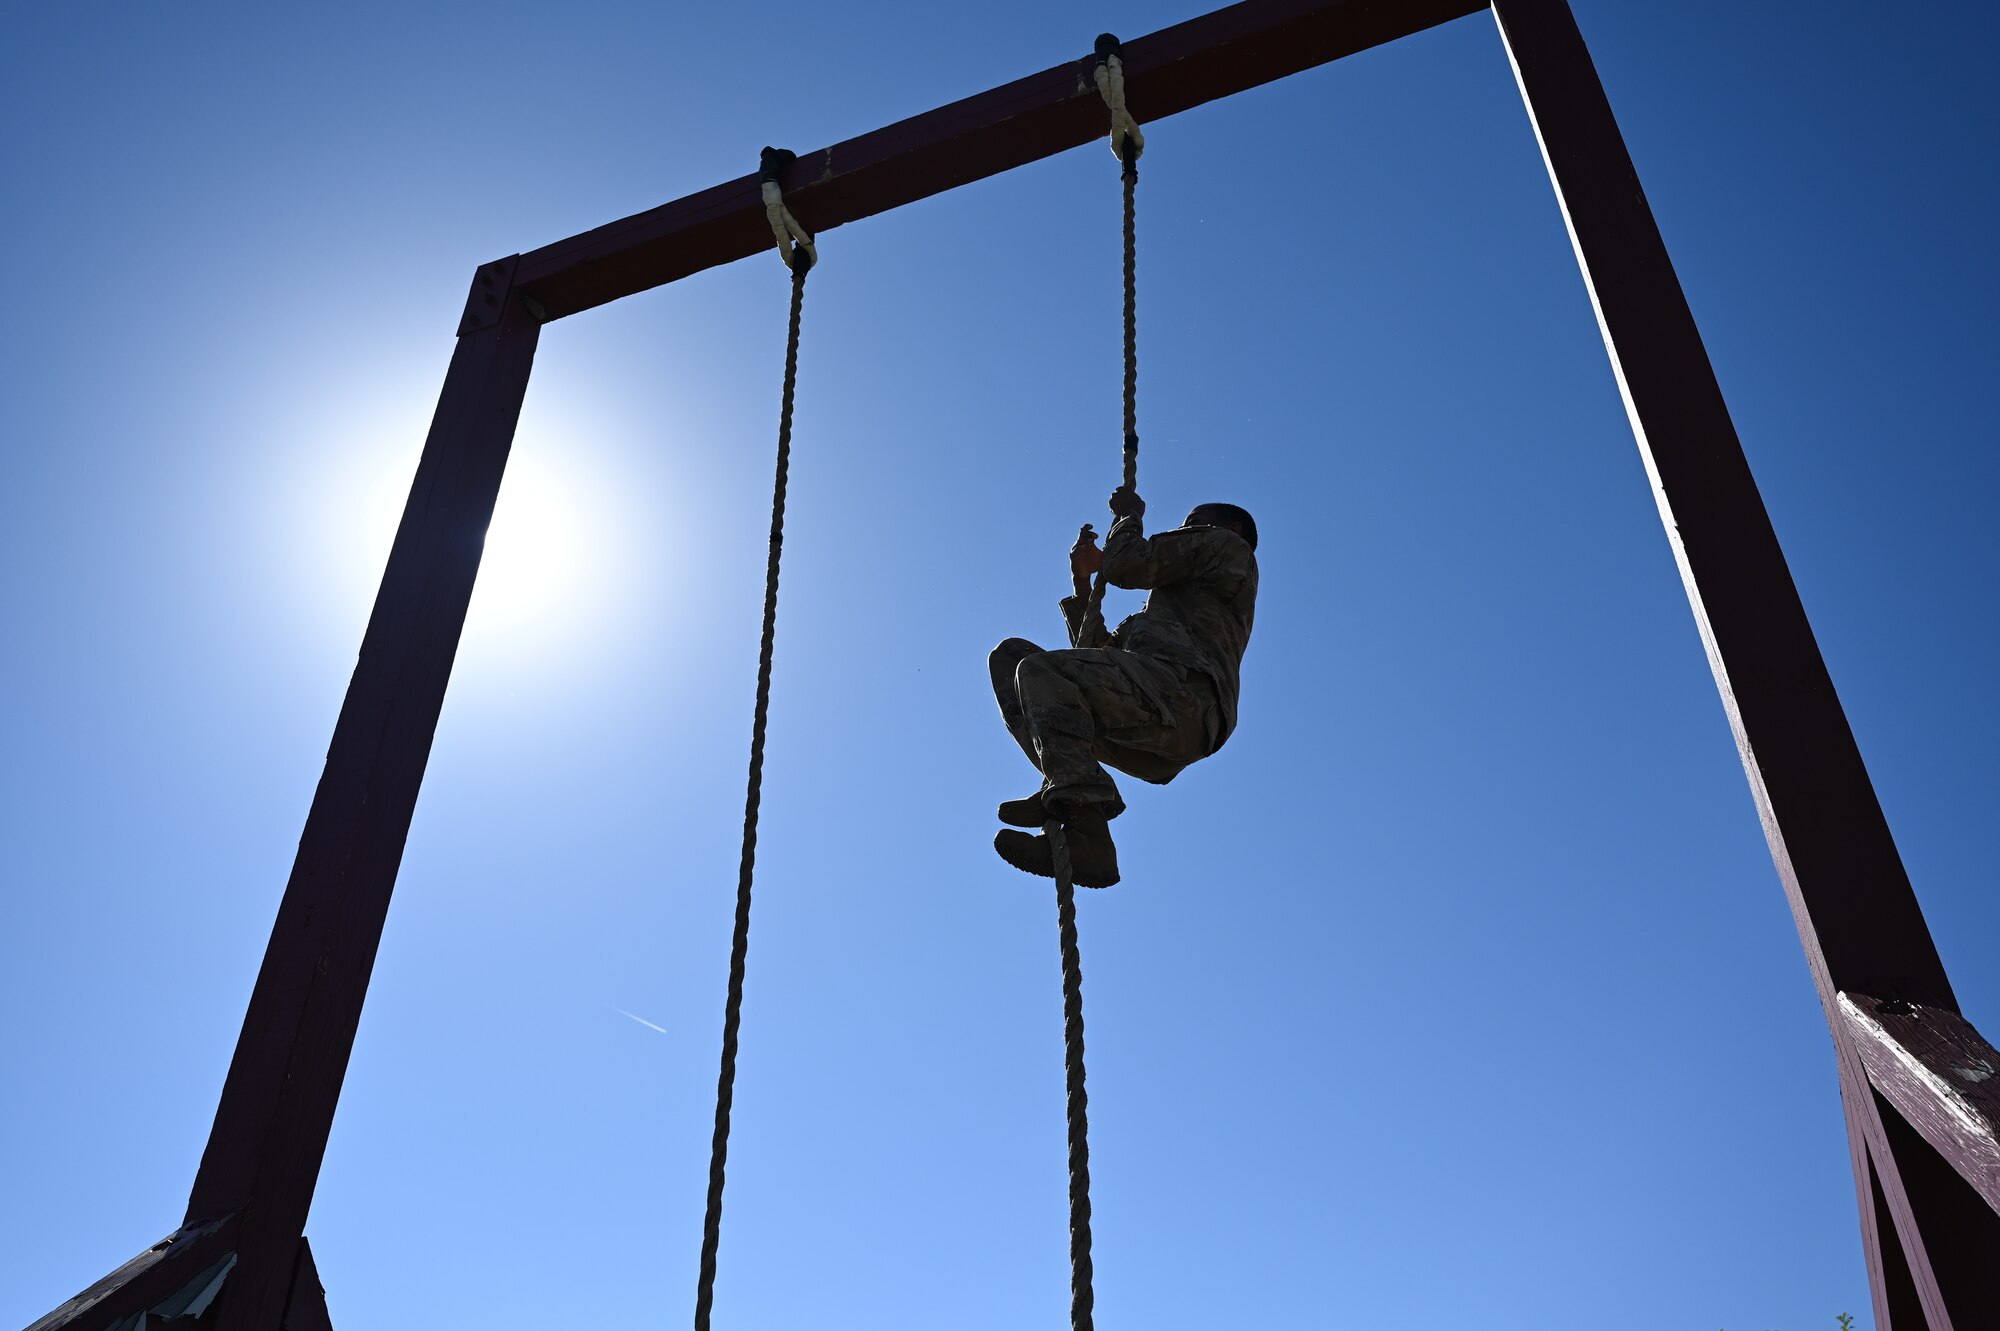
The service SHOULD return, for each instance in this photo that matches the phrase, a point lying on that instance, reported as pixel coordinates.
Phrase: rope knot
(1127, 139)
(795, 243)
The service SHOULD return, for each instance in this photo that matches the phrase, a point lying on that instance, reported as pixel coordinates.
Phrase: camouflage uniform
(1150, 699)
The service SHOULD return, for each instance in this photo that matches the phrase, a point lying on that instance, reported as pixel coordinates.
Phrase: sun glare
(536, 554)
(549, 555)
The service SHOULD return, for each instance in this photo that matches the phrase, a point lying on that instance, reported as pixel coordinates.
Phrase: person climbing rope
(1151, 699)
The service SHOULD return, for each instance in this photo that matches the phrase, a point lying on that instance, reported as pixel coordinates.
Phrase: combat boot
(1093, 858)
(1029, 812)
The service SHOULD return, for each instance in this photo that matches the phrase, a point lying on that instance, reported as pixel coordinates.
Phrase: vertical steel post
(277, 1106)
(1857, 916)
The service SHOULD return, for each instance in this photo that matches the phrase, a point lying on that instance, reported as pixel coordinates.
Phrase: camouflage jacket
(1204, 596)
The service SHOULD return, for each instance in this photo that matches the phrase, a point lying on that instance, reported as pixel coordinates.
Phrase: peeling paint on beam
(1939, 1074)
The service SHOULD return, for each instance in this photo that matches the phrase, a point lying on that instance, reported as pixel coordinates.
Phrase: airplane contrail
(641, 1020)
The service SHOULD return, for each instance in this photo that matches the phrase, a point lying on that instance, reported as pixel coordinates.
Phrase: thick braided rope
(1131, 175)
(1082, 1293)
(1128, 142)
(800, 261)
(1128, 154)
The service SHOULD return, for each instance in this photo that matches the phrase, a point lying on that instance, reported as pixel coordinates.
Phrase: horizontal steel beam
(1166, 72)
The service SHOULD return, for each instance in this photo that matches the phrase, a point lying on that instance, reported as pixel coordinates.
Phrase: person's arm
(1086, 625)
(1131, 560)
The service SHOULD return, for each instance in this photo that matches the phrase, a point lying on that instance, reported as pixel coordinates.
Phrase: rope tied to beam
(796, 248)
(791, 237)
(1109, 72)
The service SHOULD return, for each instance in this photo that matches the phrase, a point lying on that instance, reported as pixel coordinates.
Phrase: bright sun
(534, 557)
(560, 554)
(544, 563)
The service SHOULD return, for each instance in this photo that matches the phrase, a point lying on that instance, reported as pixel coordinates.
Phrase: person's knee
(1004, 662)
(1010, 654)
(1032, 669)
(1047, 688)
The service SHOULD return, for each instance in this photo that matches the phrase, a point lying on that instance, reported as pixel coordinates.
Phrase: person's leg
(1002, 664)
(1064, 697)
(1058, 694)
(1083, 707)
(1173, 726)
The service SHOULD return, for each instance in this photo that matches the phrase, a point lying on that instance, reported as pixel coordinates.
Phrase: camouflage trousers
(1072, 712)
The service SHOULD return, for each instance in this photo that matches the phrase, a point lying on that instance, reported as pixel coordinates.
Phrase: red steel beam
(1856, 912)
(278, 1102)
(1166, 72)
(1931, 1154)
(145, 1280)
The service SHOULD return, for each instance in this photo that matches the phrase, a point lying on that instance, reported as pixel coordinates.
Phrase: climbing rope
(1082, 1292)
(795, 247)
(1127, 141)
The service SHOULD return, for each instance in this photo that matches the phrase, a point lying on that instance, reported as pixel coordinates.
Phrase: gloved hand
(1084, 557)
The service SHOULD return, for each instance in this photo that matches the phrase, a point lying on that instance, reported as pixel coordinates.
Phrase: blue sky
(1458, 990)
